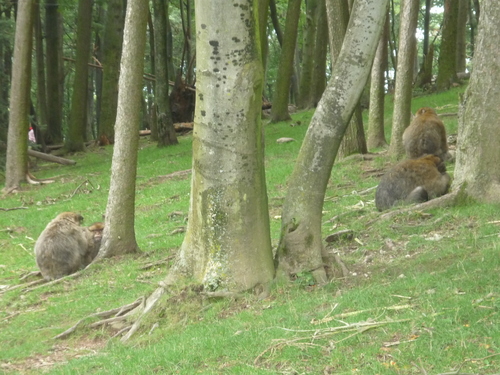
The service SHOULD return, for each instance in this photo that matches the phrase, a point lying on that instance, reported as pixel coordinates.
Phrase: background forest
(411, 291)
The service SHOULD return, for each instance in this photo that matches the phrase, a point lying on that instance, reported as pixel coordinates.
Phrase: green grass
(441, 266)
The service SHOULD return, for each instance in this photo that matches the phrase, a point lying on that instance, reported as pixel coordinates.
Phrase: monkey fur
(64, 247)
(425, 135)
(412, 181)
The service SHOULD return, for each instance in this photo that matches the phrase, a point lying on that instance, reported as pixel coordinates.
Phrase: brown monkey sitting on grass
(64, 247)
(412, 181)
(426, 135)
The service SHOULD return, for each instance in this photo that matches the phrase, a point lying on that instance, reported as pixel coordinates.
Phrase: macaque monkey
(64, 247)
(426, 135)
(412, 181)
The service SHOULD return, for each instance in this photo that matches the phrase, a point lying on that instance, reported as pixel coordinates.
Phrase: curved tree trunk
(16, 166)
(227, 245)
(301, 247)
(478, 155)
(119, 234)
(308, 49)
(404, 79)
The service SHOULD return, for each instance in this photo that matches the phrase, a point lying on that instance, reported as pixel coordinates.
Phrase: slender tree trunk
(55, 76)
(16, 166)
(227, 245)
(463, 13)
(301, 247)
(75, 140)
(404, 80)
(263, 16)
(119, 234)
(112, 48)
(166, 131)
(41, 91)
(447, 60)
(318, 83)
(279, 111)
(376, 131)
(308, 48)
(477, 166)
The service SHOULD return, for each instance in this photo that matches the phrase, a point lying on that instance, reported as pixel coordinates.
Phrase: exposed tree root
(32, 180)
(53, 282)
(119, 314)
(447, 200)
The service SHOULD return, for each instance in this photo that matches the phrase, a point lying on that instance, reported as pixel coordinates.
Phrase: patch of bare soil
(59, 354)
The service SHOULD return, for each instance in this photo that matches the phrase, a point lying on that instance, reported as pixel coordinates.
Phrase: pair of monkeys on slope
(64, 247)
(423, 176)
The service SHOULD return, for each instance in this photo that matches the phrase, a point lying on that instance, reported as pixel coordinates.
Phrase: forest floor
(421, 295)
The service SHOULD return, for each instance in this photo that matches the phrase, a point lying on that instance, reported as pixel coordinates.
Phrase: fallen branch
(57, 281)
(13, 208)
(25, 285)
(357, 328)
(51, 158)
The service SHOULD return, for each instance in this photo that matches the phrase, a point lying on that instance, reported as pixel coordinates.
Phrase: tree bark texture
(478, 155)
(227, 246)
(376, 130)
(308, 48)
(75, 140)
(447, 60)
(301, 247)
(111, 53)
(166, 131)
(119, 233)
(279, 111)
(55, 76)
(16, 166)
(404, 79)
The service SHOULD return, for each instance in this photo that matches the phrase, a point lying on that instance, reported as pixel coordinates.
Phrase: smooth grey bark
(16, 166)
(477, 166)
(301, 247)
(119, 234)
(227, 246)
(404, 79)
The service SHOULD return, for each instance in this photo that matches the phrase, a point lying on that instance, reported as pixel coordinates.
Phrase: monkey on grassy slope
(426, 135)
(412, 181)
(64, 246)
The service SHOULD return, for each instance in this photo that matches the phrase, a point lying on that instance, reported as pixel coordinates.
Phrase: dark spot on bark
(203, 113)
(216, 70)
(203, 26)
(214, 43)
(236, 40)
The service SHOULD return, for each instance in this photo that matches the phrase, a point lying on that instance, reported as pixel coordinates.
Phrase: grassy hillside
(421, 297)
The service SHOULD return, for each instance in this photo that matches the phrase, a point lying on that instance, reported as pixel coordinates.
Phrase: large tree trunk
(376, 131)
(16, 166)
(279, 111)
(301, 247)
(478, 155)
(119, 233)
(447, 60)
(461, 55)
(111, 53)
(75, 140)
(166, 131)
(55, 76)
(318, 83)
(404, 79)
(227, 245)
